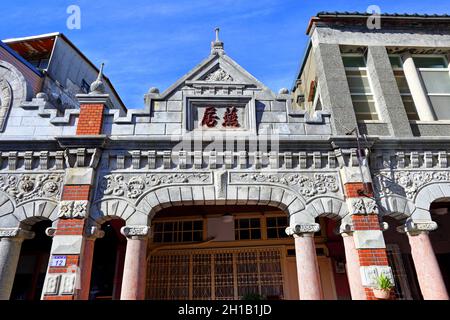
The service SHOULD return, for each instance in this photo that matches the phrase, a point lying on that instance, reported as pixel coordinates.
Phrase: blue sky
(153, 43)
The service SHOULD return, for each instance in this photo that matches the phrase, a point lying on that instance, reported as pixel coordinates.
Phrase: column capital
(135, 232)
(93, 233)
(303, 229)
(16, 233)
(414, 228)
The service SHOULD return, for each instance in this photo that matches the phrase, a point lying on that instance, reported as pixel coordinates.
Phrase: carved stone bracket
(73, 209)
(135, 231)
(16, 233)
(416, 227)
(302, 228)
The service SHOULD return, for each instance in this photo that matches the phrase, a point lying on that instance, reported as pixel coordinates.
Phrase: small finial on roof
(217, 34)
(217, 46)
(97, 87)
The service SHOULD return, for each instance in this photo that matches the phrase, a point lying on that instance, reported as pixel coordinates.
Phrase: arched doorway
(221, 253)
(32, 265)
(108, 261)
(440, 213)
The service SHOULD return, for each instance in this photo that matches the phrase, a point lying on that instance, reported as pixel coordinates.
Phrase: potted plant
(384, 287)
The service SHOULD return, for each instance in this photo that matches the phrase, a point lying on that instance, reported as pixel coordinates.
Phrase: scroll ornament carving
(303, 228)
(308, 186)
(219, 75)
(408, 182)
(120, 185)
(26, 187)
(135, 231)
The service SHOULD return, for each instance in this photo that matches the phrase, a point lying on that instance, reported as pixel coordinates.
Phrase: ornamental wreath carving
(407, 183)
(308, 186)
(26, 187)
(132, 187)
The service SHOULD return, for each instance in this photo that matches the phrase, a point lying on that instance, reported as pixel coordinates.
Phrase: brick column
(427, 267)
(10, 244)
(367, 236)
(135, 268)
(308, 275)
(90, 121)
(72, 240)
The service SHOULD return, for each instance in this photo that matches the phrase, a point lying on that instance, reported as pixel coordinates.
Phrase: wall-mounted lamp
(227, 218)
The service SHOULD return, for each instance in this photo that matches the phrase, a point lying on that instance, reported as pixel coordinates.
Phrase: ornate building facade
(220, 188)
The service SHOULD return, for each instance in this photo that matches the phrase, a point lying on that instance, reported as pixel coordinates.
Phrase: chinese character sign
(230, 119)
(210, 117)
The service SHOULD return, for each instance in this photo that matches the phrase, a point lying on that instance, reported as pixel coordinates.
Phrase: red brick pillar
(366, 234)
(69, 270)
(90, 121)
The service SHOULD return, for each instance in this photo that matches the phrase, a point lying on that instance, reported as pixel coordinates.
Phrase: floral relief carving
(219, 75)
(132, 187)
(407, 182)
(26, 187)
(307, 185)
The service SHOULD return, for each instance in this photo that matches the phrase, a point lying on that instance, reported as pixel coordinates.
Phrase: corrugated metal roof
(394, 15)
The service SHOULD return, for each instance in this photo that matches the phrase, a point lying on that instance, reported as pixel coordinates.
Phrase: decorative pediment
(218, 75)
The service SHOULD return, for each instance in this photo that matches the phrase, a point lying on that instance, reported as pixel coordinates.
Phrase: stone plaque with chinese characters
(220, 117)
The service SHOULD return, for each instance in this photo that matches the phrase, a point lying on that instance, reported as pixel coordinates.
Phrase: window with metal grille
(401, 289)
(227, 274)
(178, 231)
(247, 229)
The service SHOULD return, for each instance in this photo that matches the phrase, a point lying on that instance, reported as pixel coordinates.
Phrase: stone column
(308, 275)
(417, 88)
(427, 268)
(135, 267)
(87, 255)
(10, 244)
(353, 267)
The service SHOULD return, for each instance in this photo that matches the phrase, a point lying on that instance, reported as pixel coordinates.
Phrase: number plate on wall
(58, 261)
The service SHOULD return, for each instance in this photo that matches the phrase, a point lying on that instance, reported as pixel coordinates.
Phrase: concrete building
(220, 188)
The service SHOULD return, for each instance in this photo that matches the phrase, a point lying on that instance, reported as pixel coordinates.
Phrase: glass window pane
(441, 106)
(244, 223)
(244, 234)
(436, 82)
(396, 62)
(354, 61)
(364, 108)
(430, 62)
(272, 233)
(198, 225)
(256, 234)
(197, 236)
(254, 223)
(271, 222)
(402, 83)
(358, 82)
(410, 108)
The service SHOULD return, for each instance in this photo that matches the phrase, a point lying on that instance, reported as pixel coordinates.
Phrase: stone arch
(328, 207)
(426, 196)
(278, 197)
(167, 196)
(109, 208)
(396, 206)
(27, 213)
(20, 87)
